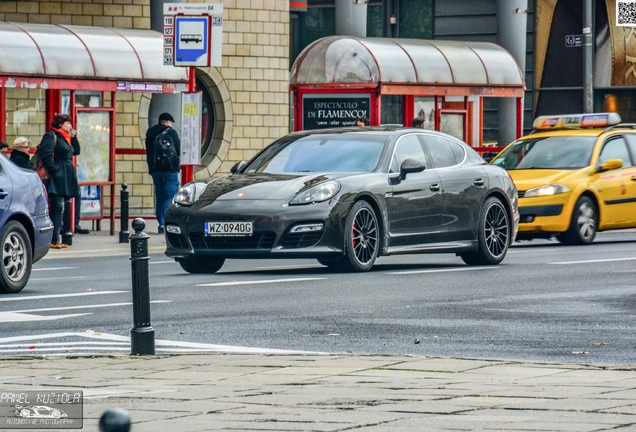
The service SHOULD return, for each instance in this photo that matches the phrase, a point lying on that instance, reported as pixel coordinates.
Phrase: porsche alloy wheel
(16, 258)
(493, 237)
(361, 237)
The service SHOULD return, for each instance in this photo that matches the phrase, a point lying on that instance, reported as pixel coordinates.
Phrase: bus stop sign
(192, 41)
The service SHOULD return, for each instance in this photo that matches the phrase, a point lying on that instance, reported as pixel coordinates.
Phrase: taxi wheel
(583, 224)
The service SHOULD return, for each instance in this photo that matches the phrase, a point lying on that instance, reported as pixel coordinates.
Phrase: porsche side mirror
(237, 167)
(611, 164)
(410, 166)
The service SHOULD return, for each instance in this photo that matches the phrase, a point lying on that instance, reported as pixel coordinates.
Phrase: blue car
(25, 226)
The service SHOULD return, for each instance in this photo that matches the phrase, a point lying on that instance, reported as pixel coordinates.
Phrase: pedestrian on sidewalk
(20, 153)
(162, 166)
(57, 149)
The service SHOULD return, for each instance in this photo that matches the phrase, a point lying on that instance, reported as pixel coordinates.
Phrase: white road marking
(58, 278)
(594, 261)
(53, 269)
(21, 317)
(49, 296)
(442, 270)
(85, 306)
(31, 344)
(265, 281)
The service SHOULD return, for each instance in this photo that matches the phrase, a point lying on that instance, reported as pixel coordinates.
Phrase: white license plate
(228, 228)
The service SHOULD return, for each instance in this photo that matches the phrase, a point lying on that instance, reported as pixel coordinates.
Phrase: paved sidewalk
(304, 392)
(223, 392)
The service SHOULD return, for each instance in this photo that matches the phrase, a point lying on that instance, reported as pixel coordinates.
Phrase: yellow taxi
(575, 175)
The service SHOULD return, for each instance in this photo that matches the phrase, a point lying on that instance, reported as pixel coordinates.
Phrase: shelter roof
(407, 63)
(82, 52)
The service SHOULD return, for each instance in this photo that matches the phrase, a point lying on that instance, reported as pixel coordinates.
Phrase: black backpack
(166, 157)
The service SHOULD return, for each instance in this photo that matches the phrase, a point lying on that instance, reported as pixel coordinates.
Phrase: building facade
(246, 101)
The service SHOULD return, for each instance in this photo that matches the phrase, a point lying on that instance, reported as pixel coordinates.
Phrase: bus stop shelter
(78, 70)
(339, 78)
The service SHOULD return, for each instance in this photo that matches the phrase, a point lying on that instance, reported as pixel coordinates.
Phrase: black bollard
(123, 232)
(142, 336)
(67, 233)
(114, 420)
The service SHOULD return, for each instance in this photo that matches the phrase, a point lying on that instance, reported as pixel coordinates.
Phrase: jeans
(57, 213)
(166, 187)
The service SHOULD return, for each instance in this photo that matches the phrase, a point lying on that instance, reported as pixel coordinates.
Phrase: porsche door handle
(633, 178)
(435, 187)
(478, 182)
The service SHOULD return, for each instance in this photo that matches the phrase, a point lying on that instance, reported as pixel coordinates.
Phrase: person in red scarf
(57, 149)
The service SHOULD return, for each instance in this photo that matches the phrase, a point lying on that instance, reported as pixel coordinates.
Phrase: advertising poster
(322, 111)
(93, 133)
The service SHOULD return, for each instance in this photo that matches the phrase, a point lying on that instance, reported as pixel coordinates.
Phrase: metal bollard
(67, 234)
(142, 336)
(114, 420)
(124, 196)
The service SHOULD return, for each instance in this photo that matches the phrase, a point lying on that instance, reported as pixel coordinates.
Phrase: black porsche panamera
(345, 197)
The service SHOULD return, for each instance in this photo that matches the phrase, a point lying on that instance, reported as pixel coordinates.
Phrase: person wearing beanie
(165, 179)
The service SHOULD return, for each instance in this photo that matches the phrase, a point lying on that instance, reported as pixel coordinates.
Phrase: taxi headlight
(321, 192)
(546, 190)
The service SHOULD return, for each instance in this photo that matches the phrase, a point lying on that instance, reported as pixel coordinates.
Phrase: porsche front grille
(260, 240)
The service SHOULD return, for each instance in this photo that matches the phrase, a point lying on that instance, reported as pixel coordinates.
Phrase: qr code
(626, 13)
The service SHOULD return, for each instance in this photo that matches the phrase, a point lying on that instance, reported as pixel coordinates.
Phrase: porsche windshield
(555, 152)
(320, 153)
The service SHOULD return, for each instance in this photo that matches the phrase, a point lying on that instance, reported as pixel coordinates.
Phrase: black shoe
(80, 230)
(161, 229)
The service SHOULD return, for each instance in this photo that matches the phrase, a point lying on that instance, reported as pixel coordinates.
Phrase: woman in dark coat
(57, 150)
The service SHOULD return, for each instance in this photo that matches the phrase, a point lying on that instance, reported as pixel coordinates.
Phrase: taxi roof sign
(573, 121)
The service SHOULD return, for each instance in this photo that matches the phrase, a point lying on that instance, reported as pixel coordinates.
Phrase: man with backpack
(163, 148)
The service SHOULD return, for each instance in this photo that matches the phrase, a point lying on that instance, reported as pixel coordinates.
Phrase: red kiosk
(390, 81)
(47, 69)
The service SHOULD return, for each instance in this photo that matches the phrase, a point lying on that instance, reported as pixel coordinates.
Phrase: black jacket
(57, 157)
(150, 140)
(20, 158)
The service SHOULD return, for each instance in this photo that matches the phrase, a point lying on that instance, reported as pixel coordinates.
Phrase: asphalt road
(545, 302)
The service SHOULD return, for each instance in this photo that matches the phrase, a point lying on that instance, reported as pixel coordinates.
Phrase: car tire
(583, 224)
(361, 239)
(493, 235)
(17, 258)
(201, 265)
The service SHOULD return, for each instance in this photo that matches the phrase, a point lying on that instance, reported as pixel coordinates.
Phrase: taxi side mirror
(611, 164)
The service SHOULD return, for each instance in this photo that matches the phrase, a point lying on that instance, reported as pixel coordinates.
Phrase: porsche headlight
(186, 195)
(546, 190)
(321, 192)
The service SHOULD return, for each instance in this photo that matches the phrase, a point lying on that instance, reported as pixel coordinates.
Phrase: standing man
(163, 148)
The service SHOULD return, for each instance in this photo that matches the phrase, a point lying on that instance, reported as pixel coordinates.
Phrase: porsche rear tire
(201, 265)
(493, 236)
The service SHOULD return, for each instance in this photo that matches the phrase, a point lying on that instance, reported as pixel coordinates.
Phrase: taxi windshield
(555, 152)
